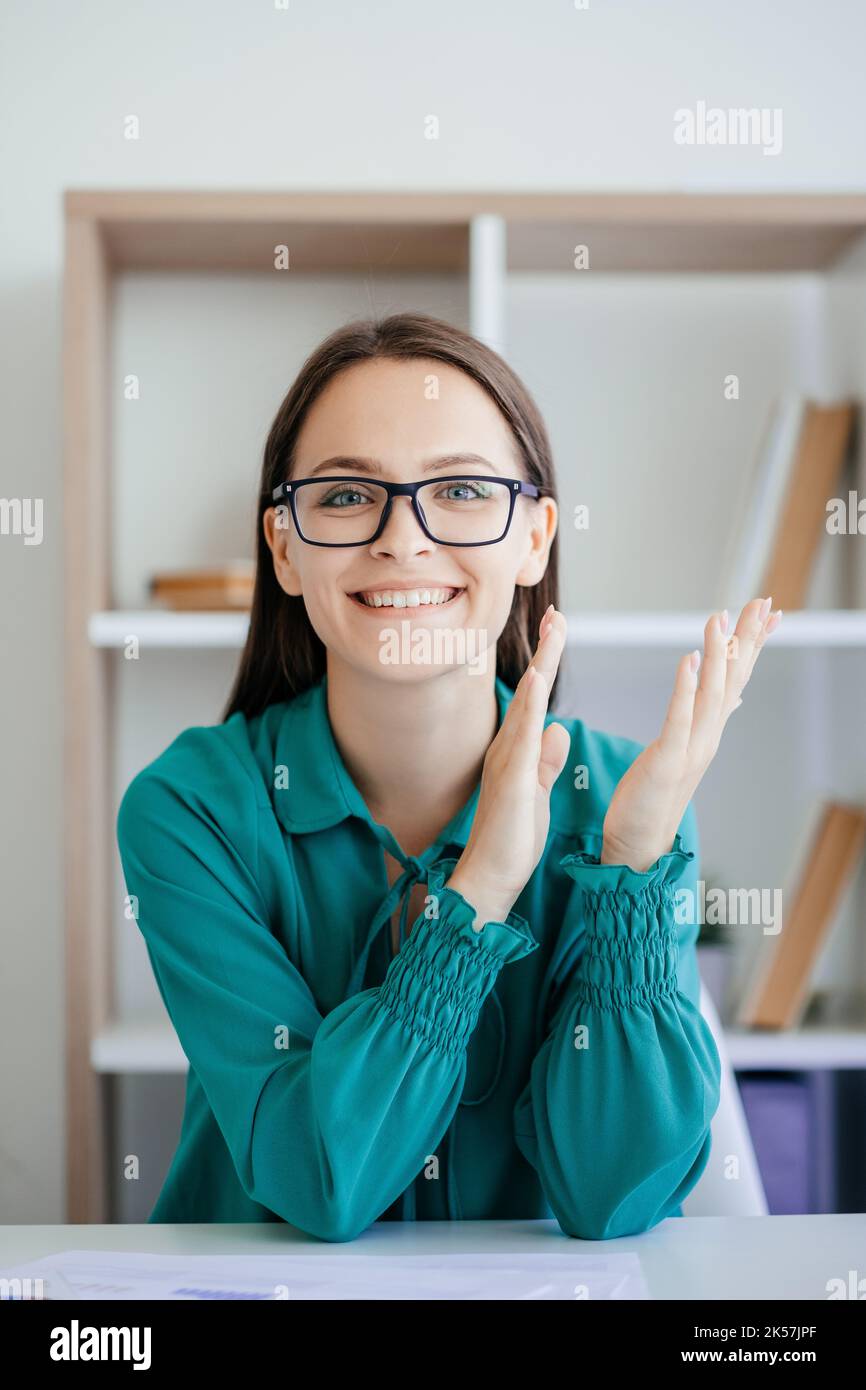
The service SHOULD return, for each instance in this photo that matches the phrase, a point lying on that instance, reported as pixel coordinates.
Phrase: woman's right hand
(512, 817)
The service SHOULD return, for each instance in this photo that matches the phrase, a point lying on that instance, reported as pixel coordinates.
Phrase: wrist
(636, 858)
(488, 906)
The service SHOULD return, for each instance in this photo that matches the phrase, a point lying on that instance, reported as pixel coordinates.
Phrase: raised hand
(651, 798)
(512, 817)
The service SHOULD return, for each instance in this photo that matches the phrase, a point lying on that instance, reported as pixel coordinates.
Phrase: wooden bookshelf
(481, 237)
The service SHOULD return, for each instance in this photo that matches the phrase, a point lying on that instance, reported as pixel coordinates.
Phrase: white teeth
(406, 598)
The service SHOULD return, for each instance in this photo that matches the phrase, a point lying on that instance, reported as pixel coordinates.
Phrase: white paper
(96, 1274)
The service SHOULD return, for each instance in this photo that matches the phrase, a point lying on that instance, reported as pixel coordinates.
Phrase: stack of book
(781, 967)
(229, 586)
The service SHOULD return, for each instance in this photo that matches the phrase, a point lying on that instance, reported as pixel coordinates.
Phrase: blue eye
(472, 491)
(334, 498)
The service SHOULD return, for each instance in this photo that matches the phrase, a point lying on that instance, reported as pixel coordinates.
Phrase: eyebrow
(351, 464)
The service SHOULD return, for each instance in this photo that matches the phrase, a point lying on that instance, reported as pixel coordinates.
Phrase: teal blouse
(553, 1064)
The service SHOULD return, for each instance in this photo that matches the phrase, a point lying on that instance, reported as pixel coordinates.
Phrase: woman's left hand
(650, 800)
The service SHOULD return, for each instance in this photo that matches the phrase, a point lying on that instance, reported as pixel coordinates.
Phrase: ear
(542, 529)
(275, 524)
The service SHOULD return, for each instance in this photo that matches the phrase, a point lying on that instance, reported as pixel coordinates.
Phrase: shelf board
(315, 247)
(150, 1046)
(161, 628)
(158, 628)
(352, 231)
(797, 1049)
(137, 1046)
(677, 248)
(835, 627)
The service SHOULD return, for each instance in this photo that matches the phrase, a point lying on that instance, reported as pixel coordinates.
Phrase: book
(821, 453)
(230, 586)
(776, 535)
(781, 971)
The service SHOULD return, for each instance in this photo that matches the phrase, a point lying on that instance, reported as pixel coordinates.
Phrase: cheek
(493, 593)
(321, 591)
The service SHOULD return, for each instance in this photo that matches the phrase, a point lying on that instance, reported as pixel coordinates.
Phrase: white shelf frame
(819, 628)
(150, 1046)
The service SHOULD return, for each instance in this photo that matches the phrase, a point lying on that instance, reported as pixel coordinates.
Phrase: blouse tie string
(415, 868)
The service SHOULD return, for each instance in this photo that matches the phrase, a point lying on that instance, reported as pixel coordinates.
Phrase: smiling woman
(419, 969)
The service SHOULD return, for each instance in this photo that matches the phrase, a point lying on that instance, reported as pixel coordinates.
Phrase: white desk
(713, 1257)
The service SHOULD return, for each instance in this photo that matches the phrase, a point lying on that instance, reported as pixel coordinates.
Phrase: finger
(771, 622)
(548, 653)
(508, 731)
(711, 691)
(545, 659)
(677, 728)
(769, 627)
(525, 750)
(749, 636)
(555, 746)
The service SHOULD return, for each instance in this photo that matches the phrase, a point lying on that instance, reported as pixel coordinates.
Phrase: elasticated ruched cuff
(596, 878)
(443, 973)
(630, 951)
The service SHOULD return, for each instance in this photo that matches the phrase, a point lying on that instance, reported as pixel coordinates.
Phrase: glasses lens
(466, 511)
(341, 513)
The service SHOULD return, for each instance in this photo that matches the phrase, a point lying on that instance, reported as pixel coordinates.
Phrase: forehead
(404, 413)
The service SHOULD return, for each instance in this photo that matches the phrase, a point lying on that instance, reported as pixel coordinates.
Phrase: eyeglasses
(456, 510)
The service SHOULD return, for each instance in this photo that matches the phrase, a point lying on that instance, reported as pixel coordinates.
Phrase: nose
(402, 534)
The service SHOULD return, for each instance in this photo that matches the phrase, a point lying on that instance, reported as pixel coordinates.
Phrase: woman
(421, 942)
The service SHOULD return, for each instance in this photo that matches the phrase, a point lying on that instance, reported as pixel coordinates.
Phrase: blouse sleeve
(616, 1115)
(327, 1118)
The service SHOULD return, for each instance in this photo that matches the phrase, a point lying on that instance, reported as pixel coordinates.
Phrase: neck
(414, 749)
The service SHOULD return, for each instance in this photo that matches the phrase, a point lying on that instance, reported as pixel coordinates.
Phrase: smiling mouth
(398, 602)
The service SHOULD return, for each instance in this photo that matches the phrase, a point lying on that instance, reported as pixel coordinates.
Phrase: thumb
(555, 745)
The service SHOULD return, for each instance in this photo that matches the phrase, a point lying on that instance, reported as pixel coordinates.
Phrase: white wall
(233, 95)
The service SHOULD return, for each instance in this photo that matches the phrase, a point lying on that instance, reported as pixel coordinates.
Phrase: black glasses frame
(516, 488)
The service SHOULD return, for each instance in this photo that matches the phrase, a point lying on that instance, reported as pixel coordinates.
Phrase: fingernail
(723, 620)
(694, 660)
(764, 609)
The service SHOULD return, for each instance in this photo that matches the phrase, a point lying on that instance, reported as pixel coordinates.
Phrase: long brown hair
(283, 655)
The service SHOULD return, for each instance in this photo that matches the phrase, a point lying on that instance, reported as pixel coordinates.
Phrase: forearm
(617, 1115)
(342, 1130)
(617, 1112)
